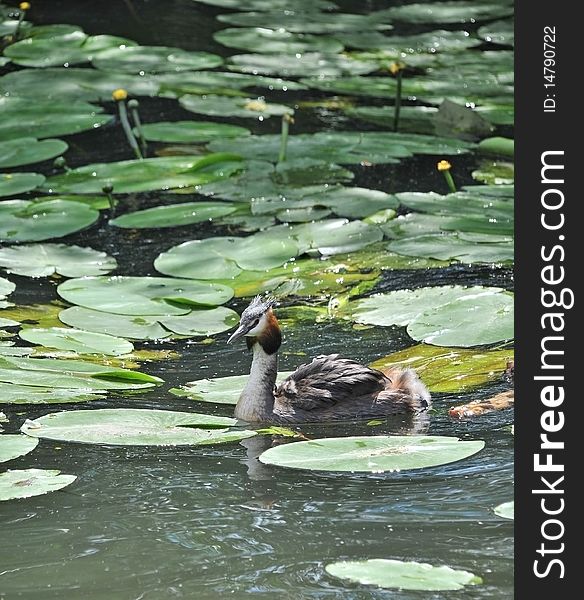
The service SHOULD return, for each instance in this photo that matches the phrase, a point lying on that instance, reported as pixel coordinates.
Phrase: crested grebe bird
(329, 388)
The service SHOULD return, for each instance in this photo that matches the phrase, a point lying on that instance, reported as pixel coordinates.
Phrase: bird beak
(239, 332)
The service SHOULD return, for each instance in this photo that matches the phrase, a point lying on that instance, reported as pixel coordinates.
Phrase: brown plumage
(329, 388)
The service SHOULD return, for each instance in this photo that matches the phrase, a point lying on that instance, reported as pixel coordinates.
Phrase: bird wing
(326, 381)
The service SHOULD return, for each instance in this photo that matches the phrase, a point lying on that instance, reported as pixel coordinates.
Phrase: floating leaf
(143, 295)
(275, 41)
(43, 260)
(6, 287)
(222, 106)
(505, 510)
(26, 221)
(24, 394)
(499, 32)
(190, 132)
(449, 370)
(301, 64)
(71, 375)
(27, 150)
(145, 175)
(449, 12)
(135, 427)
(13, 446)
(269, 5)
(139, 60)
(372, 454)
(173, 215)
(17, 183)
(499, 146)
(495, 173)
(220, 390)
(32, 482)
(76, 340)
(401, 575)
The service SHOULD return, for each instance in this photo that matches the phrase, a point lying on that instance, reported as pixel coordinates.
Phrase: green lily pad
(6, 287)
(145, 175)
(498, 146)
(143, 295)
(89, 85)
(450, 12)
(443, 315)
(405, 47)
(76, 340)
(222, 106)
(190, 132)
(499, 32)
(17, 183)
(195, 323)
(62, 50)
(40, 118)
(139, 60)
(467, 321)
(44, 260)
(455, 246)
(24, 151)
(449, 370)
(371, 454)
(71, 375)
(135, 427)
(505, 510)
(226, 257)
(32, 482)
(13, 446)
(25, 394)
(173, 215)
(26, 221)
(307, 64)
(401, 575)
(276, 41)
(269, 5)
(219, 390)
(495, 173)
(308, 21)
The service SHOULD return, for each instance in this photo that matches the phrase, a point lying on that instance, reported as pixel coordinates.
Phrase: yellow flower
(119, 94)
(396, 67)
(444, 165)
(24, 5)
(257, 105)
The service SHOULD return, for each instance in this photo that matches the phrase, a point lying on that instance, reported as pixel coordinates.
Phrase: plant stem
(133, 106)
(128, 129)
(449, 181)
(398, 93)
(286, 120)
(21, 16)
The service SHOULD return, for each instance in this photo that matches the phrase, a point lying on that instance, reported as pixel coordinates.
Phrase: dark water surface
(207, 523)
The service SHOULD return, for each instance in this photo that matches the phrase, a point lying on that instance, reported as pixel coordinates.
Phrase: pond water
(212, 522)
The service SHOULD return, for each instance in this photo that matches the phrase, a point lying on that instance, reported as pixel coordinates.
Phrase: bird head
(256, 319)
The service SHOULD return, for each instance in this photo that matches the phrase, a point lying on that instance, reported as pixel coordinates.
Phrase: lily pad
(32, 482)
(76, 340)
(495, 173)
(276, 41)
(135, 427)
(305, 64)
(26, 150)
(190, 132)
(226, 257)
(71, 375)
(404, 47)
(25, 118)
(222, 106)
(6, 287)
(505, 510)
(24, 394)
(145, 175)
(219, 390)
(449, 370)
(397, 574)
(67, 49)
(26, 221)
(173, 215)
(143, 295)
(269, 5)
(17, 183)
(499, 32)
(44, 260)
(13, 446)
(443, 315)
(196, 323)
(498, 146)
(371, 454)
(450, 12)
(139, 60)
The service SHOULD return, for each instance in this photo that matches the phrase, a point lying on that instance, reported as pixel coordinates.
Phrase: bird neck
(256, 402)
